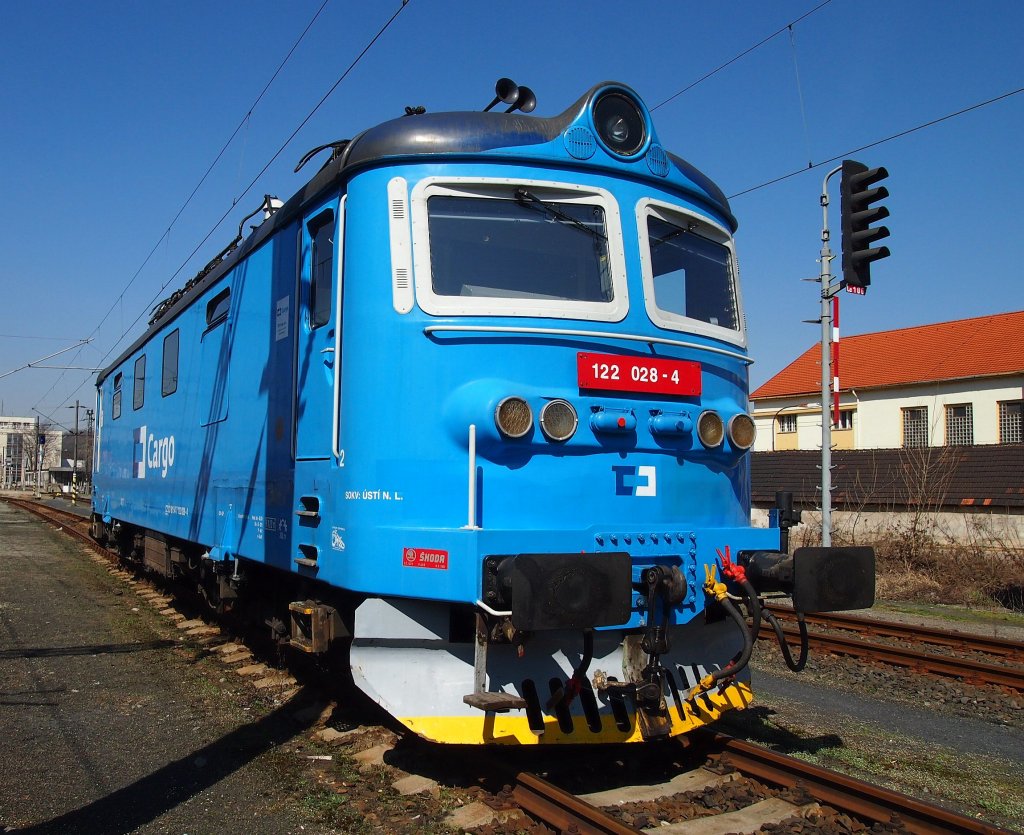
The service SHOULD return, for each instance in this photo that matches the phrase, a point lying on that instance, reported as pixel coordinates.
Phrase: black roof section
(932, 478)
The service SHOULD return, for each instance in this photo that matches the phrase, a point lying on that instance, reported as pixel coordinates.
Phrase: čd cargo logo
(424, 558)
(636, 481)
(152, 453)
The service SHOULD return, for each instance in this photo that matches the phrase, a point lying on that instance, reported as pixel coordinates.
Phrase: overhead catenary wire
(244, 121)
(878, 142)
(166, 233)
(788, 27)
(256, 179)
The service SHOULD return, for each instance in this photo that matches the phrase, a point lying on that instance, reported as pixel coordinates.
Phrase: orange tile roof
(982, 347)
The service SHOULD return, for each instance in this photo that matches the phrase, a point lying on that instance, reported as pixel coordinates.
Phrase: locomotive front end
(542, 523)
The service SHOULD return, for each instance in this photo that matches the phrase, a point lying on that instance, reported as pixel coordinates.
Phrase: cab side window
(321, 232)
(116, 410)
(169, 377)
(139, 390)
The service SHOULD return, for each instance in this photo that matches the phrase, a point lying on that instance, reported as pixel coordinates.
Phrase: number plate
(645, 375)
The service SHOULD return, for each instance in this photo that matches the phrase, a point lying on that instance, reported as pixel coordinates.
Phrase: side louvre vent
(401, 245)
(657, 161)
(579, 142)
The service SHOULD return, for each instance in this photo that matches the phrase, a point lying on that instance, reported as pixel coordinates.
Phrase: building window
(787, 423)
(117, 396)
(915, 426)
(169, 378)
(845, 420)
(139, 390)
(960, 425)
(1011, 422)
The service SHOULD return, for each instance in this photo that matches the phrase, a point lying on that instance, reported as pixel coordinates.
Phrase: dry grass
(920, 557)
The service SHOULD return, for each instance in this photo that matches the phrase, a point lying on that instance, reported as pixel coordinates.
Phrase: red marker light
(622, 423)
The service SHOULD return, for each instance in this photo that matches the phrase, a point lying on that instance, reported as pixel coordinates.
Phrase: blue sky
(112, 112)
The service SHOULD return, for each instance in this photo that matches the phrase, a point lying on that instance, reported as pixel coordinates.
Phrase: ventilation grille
(579, 142)
(401, 278)
(657, 161)
(398, 210)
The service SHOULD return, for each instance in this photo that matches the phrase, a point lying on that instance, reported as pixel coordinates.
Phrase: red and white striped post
(835, 361)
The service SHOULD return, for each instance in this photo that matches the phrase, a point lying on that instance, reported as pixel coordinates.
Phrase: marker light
(513, 417)
(558, 420)
(742, 431)
(710, 429)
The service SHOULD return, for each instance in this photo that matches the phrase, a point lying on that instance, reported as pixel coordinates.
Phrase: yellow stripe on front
(514, 729)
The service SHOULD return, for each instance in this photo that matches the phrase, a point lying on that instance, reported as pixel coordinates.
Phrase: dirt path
(107, 723)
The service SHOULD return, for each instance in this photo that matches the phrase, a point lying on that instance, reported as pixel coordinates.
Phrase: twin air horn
(518, 98)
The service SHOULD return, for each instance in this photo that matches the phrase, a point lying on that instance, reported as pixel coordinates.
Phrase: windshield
(692, 275)
(522, 248)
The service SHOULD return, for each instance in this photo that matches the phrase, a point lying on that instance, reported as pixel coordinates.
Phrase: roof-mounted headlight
(620, 123)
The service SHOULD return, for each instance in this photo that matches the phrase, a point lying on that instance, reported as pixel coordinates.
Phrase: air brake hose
(798, 665)
(565, 695)
(754, 605)
(738, 662)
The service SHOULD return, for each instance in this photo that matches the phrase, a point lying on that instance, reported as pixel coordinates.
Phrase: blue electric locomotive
(471, 406)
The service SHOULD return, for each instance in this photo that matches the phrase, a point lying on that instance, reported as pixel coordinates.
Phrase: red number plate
(644, 375)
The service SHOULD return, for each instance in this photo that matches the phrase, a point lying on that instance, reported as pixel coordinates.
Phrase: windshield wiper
(529, 200)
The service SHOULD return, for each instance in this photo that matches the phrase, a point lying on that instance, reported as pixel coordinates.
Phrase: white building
(22, 456)
(957, 383)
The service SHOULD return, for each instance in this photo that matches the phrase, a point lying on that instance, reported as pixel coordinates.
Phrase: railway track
(960, 641)
(930, 663)
(75, 524)
(815, 787)
(568, 813)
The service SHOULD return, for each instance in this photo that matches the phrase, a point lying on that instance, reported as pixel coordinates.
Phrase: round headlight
(513, 417)
(620, 123)
(710, 429)
(742, 431)
(558, 420)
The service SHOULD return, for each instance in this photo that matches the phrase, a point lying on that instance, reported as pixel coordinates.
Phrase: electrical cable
(255, 179)
(248, 188)
(787, 655)
(877, 142)
(747, 51)
(212, 165)
(166, 234)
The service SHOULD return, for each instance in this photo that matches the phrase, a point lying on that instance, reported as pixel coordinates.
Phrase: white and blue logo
(151, 453)
(636, 481)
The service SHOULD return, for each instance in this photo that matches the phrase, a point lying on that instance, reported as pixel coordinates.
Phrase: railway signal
(857, 196)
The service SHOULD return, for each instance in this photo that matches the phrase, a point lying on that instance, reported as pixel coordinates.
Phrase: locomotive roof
(492, 135)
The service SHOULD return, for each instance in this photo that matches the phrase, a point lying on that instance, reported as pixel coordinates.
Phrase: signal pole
(858, 255)
(828, 291)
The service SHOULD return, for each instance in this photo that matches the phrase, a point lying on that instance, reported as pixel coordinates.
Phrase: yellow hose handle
(712, 586)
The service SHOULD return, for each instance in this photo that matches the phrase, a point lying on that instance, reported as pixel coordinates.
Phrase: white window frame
(498, 188)
(649, 207)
